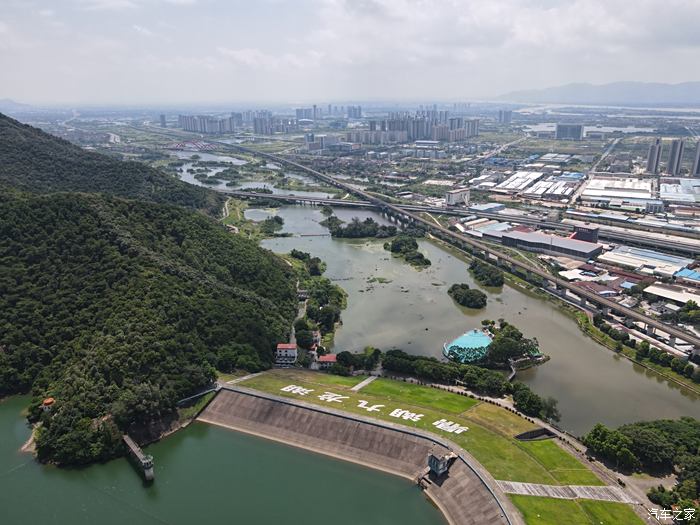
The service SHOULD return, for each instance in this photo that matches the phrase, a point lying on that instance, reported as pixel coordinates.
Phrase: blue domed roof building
(470, 347)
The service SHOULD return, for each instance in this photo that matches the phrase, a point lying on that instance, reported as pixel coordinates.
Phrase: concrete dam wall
(461, 494)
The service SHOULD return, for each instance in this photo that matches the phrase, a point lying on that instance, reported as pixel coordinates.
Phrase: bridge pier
(406, 212)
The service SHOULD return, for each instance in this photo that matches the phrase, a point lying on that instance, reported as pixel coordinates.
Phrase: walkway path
(606, 493)
(243, 378)
(364, 383)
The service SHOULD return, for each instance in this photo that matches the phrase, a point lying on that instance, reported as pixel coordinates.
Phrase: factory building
(534, 241)
(625, 193)
(644, 261)
(457, 197)
(519, 181)
(551, 244)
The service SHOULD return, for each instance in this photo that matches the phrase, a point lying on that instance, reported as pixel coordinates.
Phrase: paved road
(476, 245)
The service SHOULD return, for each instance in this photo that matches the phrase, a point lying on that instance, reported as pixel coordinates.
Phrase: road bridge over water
(473, 245)
(680, 245)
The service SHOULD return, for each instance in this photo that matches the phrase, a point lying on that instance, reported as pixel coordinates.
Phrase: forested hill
(32, 160)
(119, 308)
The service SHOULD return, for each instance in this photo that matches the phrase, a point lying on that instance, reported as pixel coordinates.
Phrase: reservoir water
(204, 475)
(414, 313)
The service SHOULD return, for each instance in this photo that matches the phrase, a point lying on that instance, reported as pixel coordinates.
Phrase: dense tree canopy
(655, 446)
(120, 308)
(35, 161)
(407, 247)
(358, 229)
(486, 274)
(471, 298)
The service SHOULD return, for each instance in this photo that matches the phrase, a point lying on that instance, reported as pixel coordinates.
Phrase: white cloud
(333, 49)
(142, 30)
(108, 5)
(255, 58)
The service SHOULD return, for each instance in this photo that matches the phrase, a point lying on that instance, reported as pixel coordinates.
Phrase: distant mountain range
(10, 106)
(617, 93)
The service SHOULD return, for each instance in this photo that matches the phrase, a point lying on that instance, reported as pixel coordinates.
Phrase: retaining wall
(461, 495)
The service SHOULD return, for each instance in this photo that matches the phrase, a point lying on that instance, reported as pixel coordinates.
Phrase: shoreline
(469, 466)
(534, 291)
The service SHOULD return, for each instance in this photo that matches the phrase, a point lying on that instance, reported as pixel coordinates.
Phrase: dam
(465, 494)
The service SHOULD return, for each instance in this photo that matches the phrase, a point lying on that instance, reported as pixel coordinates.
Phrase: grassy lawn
(419, 395)
(609, 513)
(499, 420)
(551, 511)
(221, 376)
(185, 414)
(269, 381)
(563, 466)
(501, 455)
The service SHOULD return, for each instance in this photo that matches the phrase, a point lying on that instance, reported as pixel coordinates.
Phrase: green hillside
(32, 160)
(119, 308)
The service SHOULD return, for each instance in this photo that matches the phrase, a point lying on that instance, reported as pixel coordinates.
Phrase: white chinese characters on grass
(405, 414)
(369, 408)
(449, 426)
(294, 389)
(330, 397)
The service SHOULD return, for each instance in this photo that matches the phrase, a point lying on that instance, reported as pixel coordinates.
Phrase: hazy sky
(173, 51)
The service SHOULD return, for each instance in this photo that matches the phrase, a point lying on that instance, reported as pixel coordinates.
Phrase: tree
(549, 411)
(305, 339)
(651, 446)
(677, 365)
(526, 401)
(642, 350)
(486, 274)
(463, 295)
(611, 445)
(151, 299)
(345, 358)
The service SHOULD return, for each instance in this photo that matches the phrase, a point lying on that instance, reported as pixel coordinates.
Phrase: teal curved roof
(469, 347)
(472, 339)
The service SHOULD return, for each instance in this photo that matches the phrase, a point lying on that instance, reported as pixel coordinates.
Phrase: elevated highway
(677, 244)
(462, 241)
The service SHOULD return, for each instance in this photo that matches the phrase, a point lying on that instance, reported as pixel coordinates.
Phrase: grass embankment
(186, 414)
(489, 439)
(226, 377)
(491, 429)
(549, 511)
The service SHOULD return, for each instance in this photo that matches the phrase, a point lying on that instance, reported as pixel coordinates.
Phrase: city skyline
(210, 51)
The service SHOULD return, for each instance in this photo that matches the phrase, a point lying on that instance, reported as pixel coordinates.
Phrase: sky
(222, 51)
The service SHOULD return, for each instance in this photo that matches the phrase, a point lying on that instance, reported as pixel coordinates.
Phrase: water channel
(222, 185)
(204, 475)
(413, 312)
